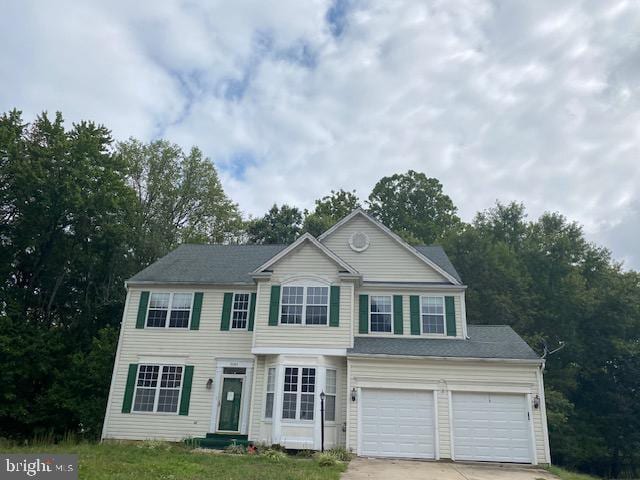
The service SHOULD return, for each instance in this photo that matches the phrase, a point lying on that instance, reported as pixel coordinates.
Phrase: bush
(341, 454)
(274, 455)
(235, 449)
(326, 459)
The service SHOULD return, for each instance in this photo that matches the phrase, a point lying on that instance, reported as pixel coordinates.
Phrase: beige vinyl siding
(305, 263)
(444, 376)
(306, 259)
(197, 347)
(384, 260)
(443, 418)
(406, 317)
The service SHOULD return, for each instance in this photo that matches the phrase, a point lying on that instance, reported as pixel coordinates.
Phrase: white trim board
(331, 352)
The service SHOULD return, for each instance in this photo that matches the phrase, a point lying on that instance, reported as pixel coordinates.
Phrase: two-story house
(243, 341)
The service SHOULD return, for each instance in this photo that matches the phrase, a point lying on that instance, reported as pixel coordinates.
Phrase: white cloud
(499, 100)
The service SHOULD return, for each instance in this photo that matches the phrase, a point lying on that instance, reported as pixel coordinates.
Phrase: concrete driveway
(387, 469)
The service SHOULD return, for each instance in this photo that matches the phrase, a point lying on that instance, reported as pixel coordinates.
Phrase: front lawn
(158, 461)
(569, 475)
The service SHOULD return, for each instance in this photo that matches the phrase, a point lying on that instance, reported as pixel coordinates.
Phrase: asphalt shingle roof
(232, 264)
(437, 255)
(485, 341)
(213, 264)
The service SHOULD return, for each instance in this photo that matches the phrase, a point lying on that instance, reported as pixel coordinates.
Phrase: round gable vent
(359, 241)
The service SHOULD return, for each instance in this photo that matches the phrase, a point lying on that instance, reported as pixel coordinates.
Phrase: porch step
(220, 441)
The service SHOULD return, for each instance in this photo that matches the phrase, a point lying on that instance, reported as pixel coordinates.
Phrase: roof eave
(525, 361)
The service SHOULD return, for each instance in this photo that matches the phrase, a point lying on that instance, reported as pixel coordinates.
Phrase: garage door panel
(491, 427)
(397, 423)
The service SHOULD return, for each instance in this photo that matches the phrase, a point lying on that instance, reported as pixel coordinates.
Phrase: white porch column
(246, 400)
(276, 419)
(321, 375)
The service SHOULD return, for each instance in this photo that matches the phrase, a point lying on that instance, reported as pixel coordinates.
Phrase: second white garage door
(397, 423)
(491, 427)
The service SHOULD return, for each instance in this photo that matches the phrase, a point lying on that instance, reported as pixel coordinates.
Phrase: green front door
(230, 404)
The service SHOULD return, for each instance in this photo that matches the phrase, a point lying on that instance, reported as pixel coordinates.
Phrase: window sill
(165, 414)
(301, 325)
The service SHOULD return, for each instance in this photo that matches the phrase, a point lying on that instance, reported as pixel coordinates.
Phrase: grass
(161, 461)
(569, 475)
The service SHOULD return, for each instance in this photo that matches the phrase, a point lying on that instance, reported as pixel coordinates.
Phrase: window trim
(303, 323)
(299, 394)
(169, 309)
(444, 317)
(335, 395)
(233, 302)
(390, 332)
(273, 392)
(157, 389)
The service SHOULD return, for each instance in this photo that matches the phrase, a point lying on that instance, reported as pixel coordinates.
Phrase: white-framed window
(304, 305)
(271, 390)
(432, 315)
(298, 399)
(176, 307)
(330, 396)
(380, 313)
(240, 310)
(158, 388)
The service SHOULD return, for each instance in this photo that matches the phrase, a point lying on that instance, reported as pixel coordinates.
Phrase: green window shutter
(186, 390)
(450, 313)
(334, 319)
(252, 312)
(197, 309)
(397, 314)
(364, 314)
(414, 313)
(226, 311)
(142, 309)
(274, 305)
(131, 385)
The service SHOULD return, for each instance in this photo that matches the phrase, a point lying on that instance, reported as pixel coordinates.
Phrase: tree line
(80, 213)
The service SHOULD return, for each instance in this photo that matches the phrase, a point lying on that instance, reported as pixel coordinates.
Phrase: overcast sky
(535, 101)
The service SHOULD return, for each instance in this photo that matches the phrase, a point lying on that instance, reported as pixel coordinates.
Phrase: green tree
(543, 278)
(329, 210)
(280, 225)
(65, 253)
(179, 198)
(414, 206)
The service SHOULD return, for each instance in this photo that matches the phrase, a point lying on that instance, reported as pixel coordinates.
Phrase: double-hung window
(330, 396)
(380, 313)
(271, 389)
(240, 312)
(433, 315)
(304, 305)
(298, 399)
(157, 388)
(172, 310)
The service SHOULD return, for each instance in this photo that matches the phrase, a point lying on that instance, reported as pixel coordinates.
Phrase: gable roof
(307, 237)
(455, 279)
(210, 264)
(485, 341)
(437, 255)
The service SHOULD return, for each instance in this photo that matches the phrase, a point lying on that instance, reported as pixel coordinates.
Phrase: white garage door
(491, 427)
(397, 423)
